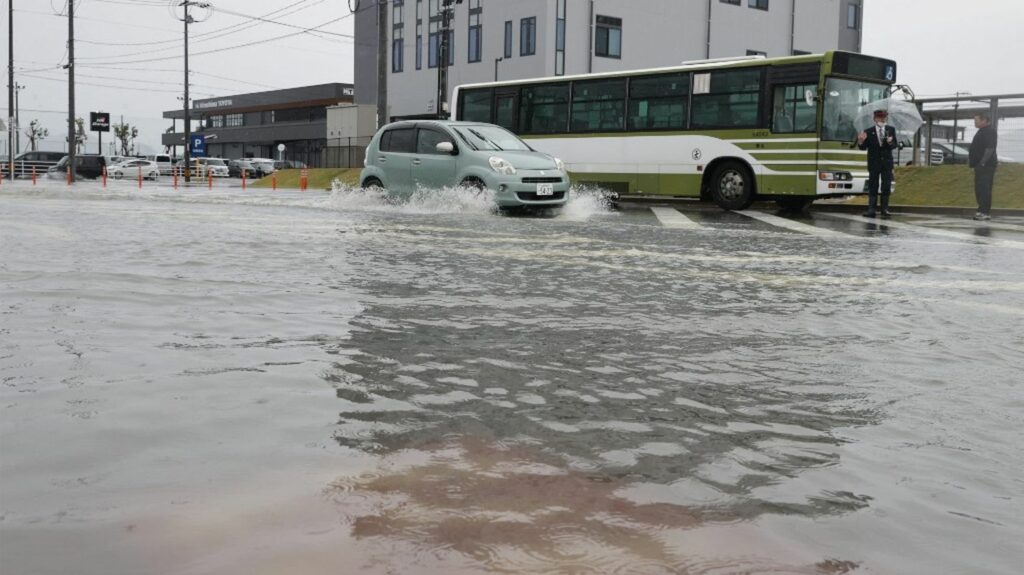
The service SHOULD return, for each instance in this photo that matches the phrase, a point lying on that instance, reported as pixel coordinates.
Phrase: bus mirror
(810, 97)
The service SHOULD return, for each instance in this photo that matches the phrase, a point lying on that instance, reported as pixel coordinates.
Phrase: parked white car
(131, 168)
(200, 167)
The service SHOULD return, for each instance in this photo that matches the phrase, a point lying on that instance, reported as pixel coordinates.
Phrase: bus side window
(476, 106)
(732, 101)
(659, 102)
(790, 112)
(544, 109)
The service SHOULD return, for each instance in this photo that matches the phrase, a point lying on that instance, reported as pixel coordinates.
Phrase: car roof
(444, 123)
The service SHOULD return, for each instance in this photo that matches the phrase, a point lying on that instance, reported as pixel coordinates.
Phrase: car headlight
(502, 166)
(560, 165)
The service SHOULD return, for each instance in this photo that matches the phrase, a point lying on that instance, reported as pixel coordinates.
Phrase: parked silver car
(433, 154)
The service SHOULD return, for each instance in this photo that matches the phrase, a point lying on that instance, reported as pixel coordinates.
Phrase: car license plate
(545, 189)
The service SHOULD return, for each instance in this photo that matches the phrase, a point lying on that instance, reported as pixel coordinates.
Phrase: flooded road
(254, 382)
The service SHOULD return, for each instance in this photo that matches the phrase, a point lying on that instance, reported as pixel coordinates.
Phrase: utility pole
(186, 17)
(956, 113)
(17, 117)
(382, 62)
(71, 92)
(447, 12)
(10, 85)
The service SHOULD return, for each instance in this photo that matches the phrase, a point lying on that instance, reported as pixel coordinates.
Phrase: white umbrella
(903, 115)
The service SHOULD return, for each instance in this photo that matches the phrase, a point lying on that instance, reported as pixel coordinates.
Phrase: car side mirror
(445, 148)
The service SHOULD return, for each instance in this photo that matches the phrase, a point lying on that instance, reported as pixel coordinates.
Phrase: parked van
(89, 166)
(26, 161)
(164, 161)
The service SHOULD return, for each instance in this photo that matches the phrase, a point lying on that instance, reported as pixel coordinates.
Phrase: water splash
(448, 200)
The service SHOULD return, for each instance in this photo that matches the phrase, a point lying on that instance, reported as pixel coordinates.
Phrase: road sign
(198, 146)
(100, 121)
(280, 147)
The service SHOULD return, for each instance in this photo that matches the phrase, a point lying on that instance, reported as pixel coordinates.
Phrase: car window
(491, 138)
(427, 141)
(400, 140)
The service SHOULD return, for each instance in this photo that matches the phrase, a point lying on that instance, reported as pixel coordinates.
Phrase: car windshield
(491, 138)
(843, 101)
(215, 162)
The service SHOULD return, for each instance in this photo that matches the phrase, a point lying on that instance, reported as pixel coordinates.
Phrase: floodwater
(251, 382)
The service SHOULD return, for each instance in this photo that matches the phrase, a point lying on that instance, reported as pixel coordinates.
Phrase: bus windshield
(485, 138)
(843, 100)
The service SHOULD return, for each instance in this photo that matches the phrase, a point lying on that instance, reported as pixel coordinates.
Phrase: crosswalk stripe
(672, 218)
(793, 226)
(932, 231)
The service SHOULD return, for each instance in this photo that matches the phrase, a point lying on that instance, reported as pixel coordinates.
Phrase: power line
(228, 48)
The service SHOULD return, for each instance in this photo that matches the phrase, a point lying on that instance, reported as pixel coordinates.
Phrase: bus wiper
(484, 138)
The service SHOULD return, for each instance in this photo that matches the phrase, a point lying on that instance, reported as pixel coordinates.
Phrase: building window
(397, 36)
(434, 39)
(756, 53)
(528, 36)
(759, 4)
(216, 122)
(560, 38)
(475, 31)
(608, 37)
(733, 2)
(234, 120)
(419, 34)
(397, 48)
(508, 39)
(853, 16)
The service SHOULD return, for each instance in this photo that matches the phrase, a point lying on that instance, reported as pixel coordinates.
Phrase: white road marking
(932, 231)
(672, 218)
(793, 226)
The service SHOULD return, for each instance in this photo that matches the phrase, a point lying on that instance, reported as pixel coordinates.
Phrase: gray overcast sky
(942, 46)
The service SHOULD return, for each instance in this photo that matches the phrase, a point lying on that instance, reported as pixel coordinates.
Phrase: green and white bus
(729, 130)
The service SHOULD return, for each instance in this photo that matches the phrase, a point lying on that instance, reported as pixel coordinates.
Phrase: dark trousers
(983, 180)
(883, 176)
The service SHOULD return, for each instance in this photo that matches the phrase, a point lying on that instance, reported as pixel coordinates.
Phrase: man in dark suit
(879, 140)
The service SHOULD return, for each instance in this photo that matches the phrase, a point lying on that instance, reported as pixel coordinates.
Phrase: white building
(515, 39)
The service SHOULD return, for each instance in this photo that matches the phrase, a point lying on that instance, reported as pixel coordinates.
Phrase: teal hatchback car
(432, 154)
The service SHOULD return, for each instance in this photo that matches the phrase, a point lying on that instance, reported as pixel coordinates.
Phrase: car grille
(533, 197)
(543, 180)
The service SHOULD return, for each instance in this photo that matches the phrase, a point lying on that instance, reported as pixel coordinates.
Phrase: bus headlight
(502, 166)
(560, 165)
(835, 176)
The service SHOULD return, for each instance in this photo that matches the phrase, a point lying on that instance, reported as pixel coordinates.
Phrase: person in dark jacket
(879, 140)
(984, 160)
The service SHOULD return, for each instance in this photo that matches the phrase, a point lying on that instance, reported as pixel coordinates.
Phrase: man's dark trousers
(984, 178)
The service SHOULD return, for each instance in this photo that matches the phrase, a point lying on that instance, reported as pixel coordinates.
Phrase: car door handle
(382, 160)
(417, 162)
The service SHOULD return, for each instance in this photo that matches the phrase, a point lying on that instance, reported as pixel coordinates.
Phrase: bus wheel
(794, 204)
(373, 185)
(731, 187)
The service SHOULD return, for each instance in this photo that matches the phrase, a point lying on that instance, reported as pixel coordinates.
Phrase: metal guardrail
(23, 169)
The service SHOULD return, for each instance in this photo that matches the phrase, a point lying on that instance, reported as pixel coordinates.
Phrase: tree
(35, 133)
(80, 135)
(126, 134)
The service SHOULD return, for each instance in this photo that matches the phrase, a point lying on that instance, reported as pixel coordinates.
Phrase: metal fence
(345, 152)
(23, 169)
